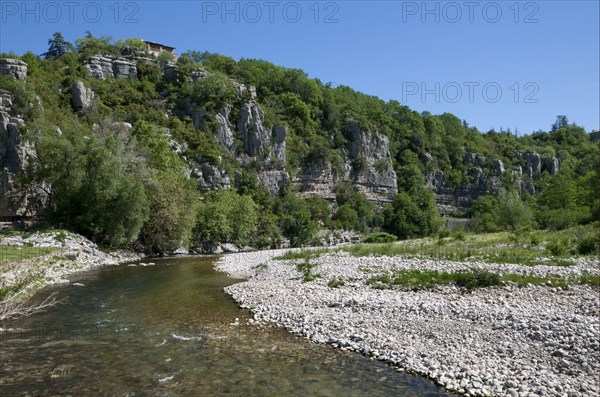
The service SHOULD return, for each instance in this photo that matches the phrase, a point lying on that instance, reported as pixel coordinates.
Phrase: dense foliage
(124, 186)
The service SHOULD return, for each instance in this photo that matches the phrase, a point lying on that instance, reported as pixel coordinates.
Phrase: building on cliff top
(157, 48)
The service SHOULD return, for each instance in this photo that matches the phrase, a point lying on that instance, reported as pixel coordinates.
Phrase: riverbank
(533, 340)
(48, 258)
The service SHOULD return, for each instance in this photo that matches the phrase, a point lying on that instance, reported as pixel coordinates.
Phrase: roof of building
(159, 44)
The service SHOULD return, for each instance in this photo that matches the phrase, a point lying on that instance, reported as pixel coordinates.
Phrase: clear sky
(497, 64)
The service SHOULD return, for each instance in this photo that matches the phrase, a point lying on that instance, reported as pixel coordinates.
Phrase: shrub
(380, 238)
(458, 234)
(306, 268)
(589, 245)
(477, 279)
(557, 247)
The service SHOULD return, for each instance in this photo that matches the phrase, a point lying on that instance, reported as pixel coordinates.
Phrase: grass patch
(306, 268)
(470, 279)
(590, 279)
(12, 253)
(416, 279)
(336, 282)
(303, 254)
(538, 248)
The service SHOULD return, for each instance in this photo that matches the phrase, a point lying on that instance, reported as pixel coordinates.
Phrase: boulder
(244, 92)
(199, 74)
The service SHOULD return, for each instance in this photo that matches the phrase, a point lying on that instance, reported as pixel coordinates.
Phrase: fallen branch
(12, 307)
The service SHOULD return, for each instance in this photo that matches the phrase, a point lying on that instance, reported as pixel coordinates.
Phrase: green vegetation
(336, 282)
(12, 253)
(125, 188)
(468, 279)
(306, 268)
(380, 238)
(550, 248)
(430, 278)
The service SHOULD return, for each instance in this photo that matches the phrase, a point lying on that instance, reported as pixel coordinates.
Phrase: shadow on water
(169, 330)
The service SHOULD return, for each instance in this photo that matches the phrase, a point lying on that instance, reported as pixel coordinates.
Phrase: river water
(169, 330)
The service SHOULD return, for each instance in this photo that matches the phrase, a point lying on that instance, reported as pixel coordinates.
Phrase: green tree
(92, 189)
(173, 201)
(484, 211)
(226, 216)
(411, 215)
(295, 220)
(213, 92)
(513, 214)
(57, 46)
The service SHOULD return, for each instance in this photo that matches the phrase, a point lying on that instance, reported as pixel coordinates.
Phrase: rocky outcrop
(14, 68)
(273, 180)
(15, 154)
(372, 171)
(103, 67)
(82, 98)
(533, 164)
(210, 177)
(483, 177)
(550, 165)
(317, 180)
(244, 92)
(255, 137)
(199, 74)
(224, 135)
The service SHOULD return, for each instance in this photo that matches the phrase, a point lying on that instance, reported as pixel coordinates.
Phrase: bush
(458, 234)
(443, 233)
(380, 238)
(477, 279)
(557, 247)
(589, 245)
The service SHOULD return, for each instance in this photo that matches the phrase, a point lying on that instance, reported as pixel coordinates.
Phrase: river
(169, 330)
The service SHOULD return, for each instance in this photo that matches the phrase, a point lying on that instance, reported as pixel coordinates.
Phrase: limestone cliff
(483, 176)
(15, 154)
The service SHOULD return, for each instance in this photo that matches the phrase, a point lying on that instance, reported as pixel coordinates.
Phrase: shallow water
(169, 330)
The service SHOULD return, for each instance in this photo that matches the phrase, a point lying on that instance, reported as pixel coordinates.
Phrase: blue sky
(495, 64)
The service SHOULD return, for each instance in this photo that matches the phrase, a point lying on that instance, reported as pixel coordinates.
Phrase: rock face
(484, 177)
(103, 67)
(533, 164)
(13, 67)
(255, 137)
(317, 180)
(550, 165)
(372, 171)
(82, 98)
(14, 157)
(224, 135)
(210, 177)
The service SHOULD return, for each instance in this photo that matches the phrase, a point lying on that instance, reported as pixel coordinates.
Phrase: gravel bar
(502, 341)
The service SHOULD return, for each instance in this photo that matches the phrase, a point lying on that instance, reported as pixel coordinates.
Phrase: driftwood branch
(12, 307)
